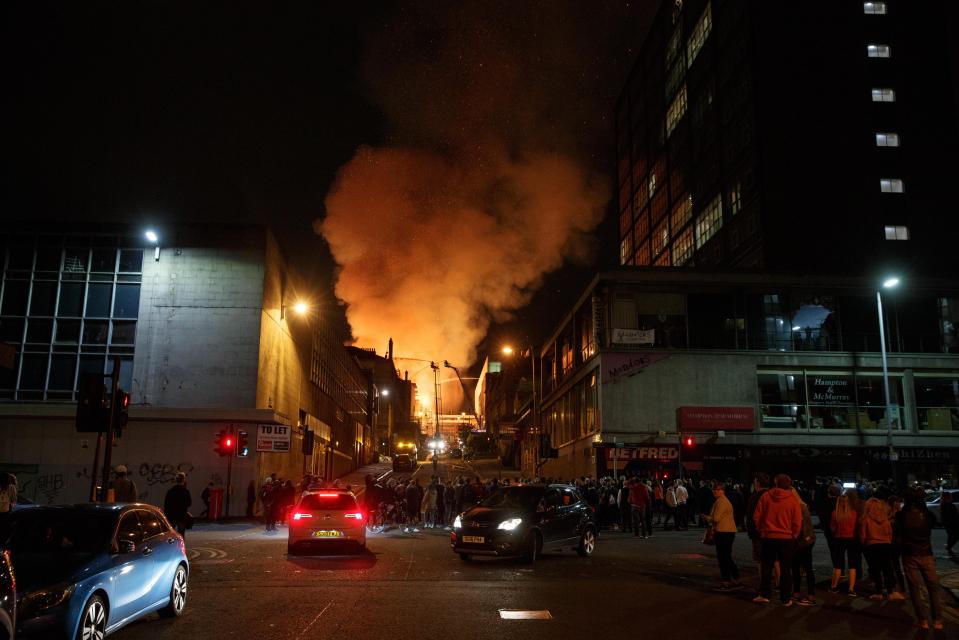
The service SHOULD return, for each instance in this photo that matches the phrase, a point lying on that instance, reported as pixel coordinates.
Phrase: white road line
(408, 567)
(313, 622)
(523, 614)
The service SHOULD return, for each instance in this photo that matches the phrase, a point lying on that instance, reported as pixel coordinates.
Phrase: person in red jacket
(639, 506)
(778, 518)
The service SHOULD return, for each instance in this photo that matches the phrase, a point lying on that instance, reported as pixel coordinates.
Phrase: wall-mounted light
(154, 239)
(300, 308)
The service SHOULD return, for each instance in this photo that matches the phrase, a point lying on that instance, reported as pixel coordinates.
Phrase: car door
(132, 569)
(165, 554)
(551, 518)
(572, 513)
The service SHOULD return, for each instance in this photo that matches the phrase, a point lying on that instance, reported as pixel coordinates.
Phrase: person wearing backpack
(802, 560)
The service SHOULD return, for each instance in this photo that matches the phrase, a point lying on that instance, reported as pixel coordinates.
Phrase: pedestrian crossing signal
(242, 444)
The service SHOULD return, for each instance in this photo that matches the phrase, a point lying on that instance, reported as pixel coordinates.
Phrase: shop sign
(916, 454)
(826, 389)
(659, 454)
(273, 437)
(617, 366)
(716, 418)
(634, 336)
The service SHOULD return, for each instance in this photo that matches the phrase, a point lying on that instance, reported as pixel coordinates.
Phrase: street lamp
(153, 239)
(299, 307)
(888, 283)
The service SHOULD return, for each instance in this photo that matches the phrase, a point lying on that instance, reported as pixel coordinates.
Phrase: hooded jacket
(876, 528)
(778, 515)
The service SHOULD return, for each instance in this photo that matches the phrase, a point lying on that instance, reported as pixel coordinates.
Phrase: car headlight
(509, 525)
(457, 523)
(48, 598)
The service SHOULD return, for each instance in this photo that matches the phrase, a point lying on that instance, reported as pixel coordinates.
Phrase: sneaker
(760, 600)
(833, 590)
(788, 603)
(852, 594)
(806, 602)
(897, 595)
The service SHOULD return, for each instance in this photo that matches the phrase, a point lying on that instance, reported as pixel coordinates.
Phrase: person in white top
(681, 497)
(723, 522)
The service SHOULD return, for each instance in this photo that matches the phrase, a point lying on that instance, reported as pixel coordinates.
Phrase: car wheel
(587, 542)
(533, 547)
(465, 557)
(93, 621)
(177, 594)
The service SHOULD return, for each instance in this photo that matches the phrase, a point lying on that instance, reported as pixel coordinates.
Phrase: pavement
(410, 585)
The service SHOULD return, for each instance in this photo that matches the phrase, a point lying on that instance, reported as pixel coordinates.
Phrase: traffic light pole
(231, 433)
(111, 430)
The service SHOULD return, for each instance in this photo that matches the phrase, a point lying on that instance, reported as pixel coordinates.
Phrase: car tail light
(299, 515)
(355, 516)
(329, 495)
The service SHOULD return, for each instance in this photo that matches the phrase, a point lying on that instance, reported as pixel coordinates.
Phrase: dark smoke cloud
(497, 168)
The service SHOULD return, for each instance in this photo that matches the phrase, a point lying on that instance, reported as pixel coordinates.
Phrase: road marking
(313, 622)
(408, 567)
(524, 614)
(197, 553)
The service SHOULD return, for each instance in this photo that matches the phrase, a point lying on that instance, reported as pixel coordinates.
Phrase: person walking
(267, 497)
(846, 547)
(950, 520)
(638, 503)
(875, 535)
(625, 511)
(778, 518)
(670, 499)
(802, 560)
(414, 498)
(176, 505)
(682, 497)
(124, 488)
(913, 529)
(449, 503)
(722, 519)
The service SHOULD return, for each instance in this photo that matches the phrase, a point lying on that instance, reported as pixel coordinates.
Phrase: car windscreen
(327, 502)
(42, 530)
(515, 497)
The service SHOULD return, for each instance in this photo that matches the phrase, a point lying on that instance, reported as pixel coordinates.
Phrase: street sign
(273, 437)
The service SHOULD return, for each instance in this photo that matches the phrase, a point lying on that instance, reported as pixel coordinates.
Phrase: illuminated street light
(508, 350)
(888, 283)
(301, 308)
(385, 393)
(153, 238)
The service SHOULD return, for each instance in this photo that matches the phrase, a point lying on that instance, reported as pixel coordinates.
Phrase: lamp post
(508, 350)
(888, 283)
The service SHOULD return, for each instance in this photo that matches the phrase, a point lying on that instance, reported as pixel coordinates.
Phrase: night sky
(159, 111)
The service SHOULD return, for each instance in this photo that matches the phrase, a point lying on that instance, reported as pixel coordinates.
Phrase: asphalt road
(412, 586)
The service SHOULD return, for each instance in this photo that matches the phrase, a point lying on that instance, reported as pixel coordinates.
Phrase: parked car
(84, 571)
(403, 462)
(8, 598)
(934, 503)
(525, 521)
(322, 518)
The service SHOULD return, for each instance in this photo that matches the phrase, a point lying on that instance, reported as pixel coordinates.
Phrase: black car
(525, 521)
(403, 462)
(8, 597)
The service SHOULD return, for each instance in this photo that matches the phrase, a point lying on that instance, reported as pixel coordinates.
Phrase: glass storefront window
(782, 400)
(937, 403)
(832, 400)
(872, 402)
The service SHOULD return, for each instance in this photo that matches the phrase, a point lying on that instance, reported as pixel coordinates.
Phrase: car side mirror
(126, 546)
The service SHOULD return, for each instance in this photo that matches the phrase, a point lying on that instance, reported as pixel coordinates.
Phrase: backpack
(807, 538)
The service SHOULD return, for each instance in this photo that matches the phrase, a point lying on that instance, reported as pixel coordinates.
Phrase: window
(937, 403)
(874, 8)
(897, 233)
(683, 248)
(878, 50)
(709, 221)
(677, 108)
(624, 250)
(883, 95)
(697, 38)
(660, 237)
(736, 198)
(887, 139)
(782, 400)
(682, 212)
(891, 185)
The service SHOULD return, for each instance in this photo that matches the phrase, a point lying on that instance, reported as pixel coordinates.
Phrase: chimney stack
(389, 352)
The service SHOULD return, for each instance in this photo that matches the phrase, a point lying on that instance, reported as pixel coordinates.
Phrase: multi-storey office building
(764, 373)
(208, 336)
(791, 136)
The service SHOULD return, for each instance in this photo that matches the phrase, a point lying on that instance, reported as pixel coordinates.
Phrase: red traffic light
(228, 443)
(689, 441)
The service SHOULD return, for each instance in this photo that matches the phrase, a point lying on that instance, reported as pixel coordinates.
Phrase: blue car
(84, 571)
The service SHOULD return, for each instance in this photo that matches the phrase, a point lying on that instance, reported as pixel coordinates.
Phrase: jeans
(921, 571)
(640, 519)
(782, 550)
(626, 516)
(880, 566)
(802, 560)
(724, 553)
(681, 516)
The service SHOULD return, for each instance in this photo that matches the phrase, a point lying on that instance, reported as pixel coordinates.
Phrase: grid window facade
(682, 213)
(878, 51)
(891, 185)
(897, 232)
(887, 139)
(676, 111)
(709, 221)
(883, 94)
(683, 247)
(736, 198)
(68, 306)
(874, 8)
(697, 38)
(660, 238)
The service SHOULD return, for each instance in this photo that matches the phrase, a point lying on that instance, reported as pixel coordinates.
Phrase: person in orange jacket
(844, 525)
(778, 518)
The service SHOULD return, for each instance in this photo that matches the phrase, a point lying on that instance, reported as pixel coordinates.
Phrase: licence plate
(327, 534)
(474, 539)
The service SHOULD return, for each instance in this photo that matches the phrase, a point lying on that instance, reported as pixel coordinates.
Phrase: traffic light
(689, 441)
(92, 414)
(242, 444)
(225, 442)
(121, 405)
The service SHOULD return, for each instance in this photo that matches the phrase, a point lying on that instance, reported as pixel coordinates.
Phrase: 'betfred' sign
(716, 418)
(659, 454)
